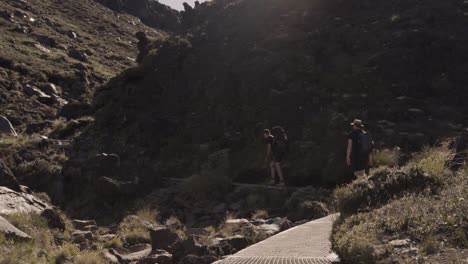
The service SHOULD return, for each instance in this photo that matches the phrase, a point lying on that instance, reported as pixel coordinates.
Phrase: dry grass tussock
(47, 245)
(404, 204)
(16, 142)
(134, 228)
(387, 157)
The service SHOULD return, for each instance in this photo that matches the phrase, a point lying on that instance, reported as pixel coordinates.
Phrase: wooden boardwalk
(305, 244)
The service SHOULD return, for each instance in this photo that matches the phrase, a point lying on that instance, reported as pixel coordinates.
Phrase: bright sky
(177, 4)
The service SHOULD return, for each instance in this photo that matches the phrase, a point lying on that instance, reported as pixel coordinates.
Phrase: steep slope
(53, 55)
(416, 213)
(310, 66)
(74, 45)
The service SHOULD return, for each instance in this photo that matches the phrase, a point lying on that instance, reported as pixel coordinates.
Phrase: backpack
(280, 144)
(365, 143)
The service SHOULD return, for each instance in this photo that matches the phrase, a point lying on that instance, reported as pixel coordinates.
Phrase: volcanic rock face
(310, 66)
(152, 13)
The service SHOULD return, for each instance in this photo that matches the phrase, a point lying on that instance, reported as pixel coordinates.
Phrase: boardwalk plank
(307, 244)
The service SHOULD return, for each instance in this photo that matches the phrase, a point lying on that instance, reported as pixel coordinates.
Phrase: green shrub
(433, 160)
(295, 203)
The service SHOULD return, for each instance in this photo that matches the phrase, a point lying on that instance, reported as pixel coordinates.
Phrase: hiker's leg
(280, 172)
(272, 171)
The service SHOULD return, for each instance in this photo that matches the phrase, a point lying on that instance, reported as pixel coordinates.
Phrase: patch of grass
(21, 140)
(387, 157)
(38, 173)
(89, 258)
(433, 160)
(148, 214)
(134, 228)
(136, 236)
(66, 252)
(113, 243)
(40, 250)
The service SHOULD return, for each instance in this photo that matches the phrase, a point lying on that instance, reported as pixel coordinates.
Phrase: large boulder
(157, 257)
(7, 178)
(189, 246)
(6, 128)
(163, 238)
(235, 243)
(11, 231)
(283, 223)
(12, 202)
(310, 210)
(54, 220)
(133, 255)
(80, 237)
(83, 224)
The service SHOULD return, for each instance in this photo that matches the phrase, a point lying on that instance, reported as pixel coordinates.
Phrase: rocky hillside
(58, 52)
(310, 66)
(53, 55)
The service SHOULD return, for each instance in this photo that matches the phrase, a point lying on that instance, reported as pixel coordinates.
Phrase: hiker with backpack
(360, 146)
(277, 145)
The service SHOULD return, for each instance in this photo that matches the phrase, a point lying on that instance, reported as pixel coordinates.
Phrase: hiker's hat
(358, 123)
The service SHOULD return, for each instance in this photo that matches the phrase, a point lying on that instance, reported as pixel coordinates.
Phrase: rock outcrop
(152, 13)
(7, 178)
(16, 202)
(162, 238)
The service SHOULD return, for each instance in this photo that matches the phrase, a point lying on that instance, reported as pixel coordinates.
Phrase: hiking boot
(281, 184)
